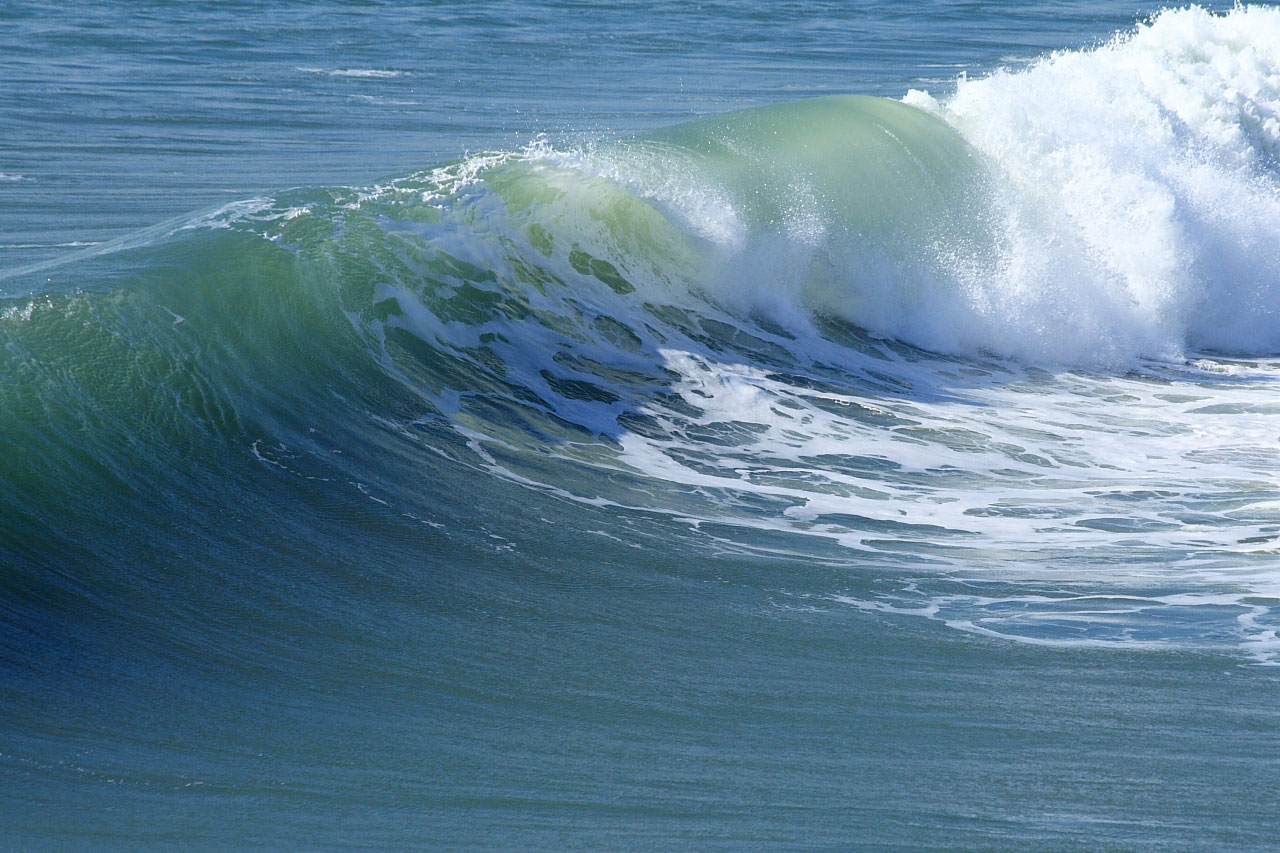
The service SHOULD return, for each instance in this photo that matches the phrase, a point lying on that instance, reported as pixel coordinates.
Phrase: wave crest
(1138, 188)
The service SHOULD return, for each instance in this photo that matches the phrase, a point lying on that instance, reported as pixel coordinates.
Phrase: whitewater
(903, 465)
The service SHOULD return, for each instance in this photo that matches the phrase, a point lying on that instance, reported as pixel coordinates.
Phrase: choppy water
(608, 441)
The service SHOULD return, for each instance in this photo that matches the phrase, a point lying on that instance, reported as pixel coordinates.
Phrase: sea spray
(1140, 189)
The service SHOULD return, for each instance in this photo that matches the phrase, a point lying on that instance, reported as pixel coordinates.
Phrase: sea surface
(526, 425)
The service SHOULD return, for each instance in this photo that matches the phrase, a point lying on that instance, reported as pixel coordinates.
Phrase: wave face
(448, 451)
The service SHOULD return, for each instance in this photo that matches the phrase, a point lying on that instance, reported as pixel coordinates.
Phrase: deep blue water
(528, 425)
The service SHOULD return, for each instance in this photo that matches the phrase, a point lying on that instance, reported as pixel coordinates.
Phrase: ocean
(639, 425)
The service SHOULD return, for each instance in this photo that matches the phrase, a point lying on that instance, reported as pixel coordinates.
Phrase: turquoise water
(632, 426)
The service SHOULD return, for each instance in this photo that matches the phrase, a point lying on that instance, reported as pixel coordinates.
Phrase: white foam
(1138, 188)
(375, 73)
(74, 244)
